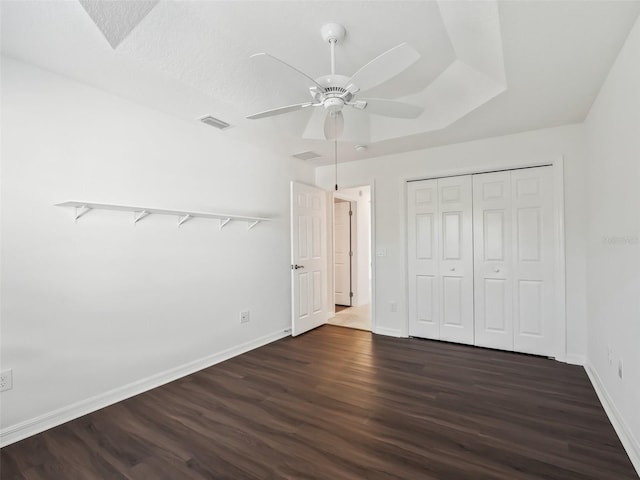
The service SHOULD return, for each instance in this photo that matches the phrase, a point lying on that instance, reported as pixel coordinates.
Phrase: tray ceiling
(487, 68)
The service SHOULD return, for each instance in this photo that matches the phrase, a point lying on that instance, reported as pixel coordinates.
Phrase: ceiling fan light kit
(333, 91)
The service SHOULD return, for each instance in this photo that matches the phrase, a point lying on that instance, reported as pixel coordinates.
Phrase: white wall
(100, 304)
(612, 131)
(391, 172)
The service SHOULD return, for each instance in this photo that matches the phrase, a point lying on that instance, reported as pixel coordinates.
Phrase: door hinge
(351, 254)
(350, 294)
(350, 212)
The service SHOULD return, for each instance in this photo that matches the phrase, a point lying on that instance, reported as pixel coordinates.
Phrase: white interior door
(422, 242)
(456, 259)
(493, 269)
(535, 330)
(514, 260)
(440, 249)
(308, 257)
(342, 252)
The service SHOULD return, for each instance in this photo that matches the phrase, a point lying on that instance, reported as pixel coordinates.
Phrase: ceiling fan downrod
(333, 33)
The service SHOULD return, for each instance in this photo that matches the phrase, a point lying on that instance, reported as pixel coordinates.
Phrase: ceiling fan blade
(333, 125)
(310, 81)
(385, 66)
(279, 110)
(389, 108)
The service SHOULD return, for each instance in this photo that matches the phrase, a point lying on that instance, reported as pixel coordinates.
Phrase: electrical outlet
(244, 316)
(620, 368)
(6, 380)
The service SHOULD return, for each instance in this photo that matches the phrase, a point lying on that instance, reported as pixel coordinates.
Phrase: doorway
(352, 258)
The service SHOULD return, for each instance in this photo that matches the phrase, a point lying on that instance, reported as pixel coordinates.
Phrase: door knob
(296, 267)
(496, 270)
(453, 269)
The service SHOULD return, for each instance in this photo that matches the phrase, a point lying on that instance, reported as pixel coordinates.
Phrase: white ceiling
(487, 68)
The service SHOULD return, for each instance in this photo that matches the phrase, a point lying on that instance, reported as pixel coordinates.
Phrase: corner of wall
(629, 441)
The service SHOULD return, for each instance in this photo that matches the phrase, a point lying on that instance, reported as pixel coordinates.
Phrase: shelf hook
(224, 222)
(139, 216)
(80, 211)
(184, 219)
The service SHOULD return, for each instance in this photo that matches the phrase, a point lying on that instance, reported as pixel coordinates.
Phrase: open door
(308, 257)
(343, 254)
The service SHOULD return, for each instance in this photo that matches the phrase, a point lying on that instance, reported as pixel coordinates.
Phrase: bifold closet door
(493, 269)
(514, 260)
(534, 240)
(441, 259)
(456, 259)
(422, 242)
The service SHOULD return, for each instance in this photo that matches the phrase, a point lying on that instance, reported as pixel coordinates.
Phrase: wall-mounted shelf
(139, 213)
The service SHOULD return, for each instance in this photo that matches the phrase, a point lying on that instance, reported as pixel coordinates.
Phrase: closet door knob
(453, 269)
(497, 270)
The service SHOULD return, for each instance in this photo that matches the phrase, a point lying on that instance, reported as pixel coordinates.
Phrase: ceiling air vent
(306, 155)
(214, 122)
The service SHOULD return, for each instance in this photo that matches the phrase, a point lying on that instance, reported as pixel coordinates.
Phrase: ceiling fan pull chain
(335, 154)
(335, 148)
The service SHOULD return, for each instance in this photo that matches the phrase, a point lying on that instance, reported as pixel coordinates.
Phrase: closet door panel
(492, 224)
(533, 268)
(456, 259)
(423, 235)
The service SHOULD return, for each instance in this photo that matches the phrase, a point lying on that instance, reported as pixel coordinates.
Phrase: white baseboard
(629, 442)
(51, 419)
(575, 359)
(389, 332)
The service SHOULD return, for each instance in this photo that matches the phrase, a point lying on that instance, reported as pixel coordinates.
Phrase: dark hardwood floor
(338, 404)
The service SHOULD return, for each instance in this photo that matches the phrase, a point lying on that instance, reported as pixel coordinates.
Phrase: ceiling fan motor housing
(335, 95)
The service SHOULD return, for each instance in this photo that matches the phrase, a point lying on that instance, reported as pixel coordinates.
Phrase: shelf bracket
(183, 219)
(80, 211)
(139, 216)
(253, 224)
(224, 222)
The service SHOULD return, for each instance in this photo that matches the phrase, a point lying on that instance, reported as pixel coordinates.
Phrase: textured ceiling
(486, 69)
(116, 19)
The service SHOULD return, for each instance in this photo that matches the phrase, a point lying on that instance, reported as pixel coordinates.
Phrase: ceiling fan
(333, 92)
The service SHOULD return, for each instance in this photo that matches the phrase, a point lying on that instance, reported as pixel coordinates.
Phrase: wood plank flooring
(338, 404)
